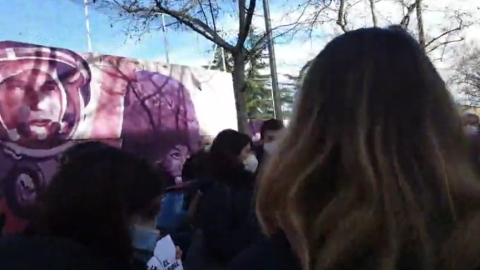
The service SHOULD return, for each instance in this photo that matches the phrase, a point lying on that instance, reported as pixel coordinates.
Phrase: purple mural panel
(168, 131)
(255, 126)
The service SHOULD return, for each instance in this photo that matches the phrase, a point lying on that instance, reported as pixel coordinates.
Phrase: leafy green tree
(287, 94)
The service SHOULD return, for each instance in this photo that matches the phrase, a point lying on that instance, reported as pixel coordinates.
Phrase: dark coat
(39, 253)
(270, 254)
(226, 217)
(226, 222)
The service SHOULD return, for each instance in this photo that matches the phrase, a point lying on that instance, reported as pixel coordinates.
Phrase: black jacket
(270, 254)
(39, 253)
(226, 216)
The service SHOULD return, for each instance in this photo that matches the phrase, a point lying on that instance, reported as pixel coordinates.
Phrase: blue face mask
(143, 238)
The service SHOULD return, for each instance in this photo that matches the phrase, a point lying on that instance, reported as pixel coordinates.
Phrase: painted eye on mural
(175, 155)
(48, 87)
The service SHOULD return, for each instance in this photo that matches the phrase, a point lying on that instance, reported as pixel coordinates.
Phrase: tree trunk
(239, 91)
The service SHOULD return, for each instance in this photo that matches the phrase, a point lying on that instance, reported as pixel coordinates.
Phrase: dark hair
(94, 196)
(271, 125)
(222, 159)
(158, 114)
(194, 167)
(359, 180)
(82, 148)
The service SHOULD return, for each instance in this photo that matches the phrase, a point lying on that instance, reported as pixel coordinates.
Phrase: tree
(467, 77)
(342, 13)
(258, 101)
(200, 16)
(287, 94)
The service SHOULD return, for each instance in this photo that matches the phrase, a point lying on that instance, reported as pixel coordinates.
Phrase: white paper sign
(164, 256)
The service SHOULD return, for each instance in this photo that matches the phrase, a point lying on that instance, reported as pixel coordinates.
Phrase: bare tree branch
(210, 5)
(309, 24)
(195, 24)
(445, 43)
(134, 10)
(446, 33)
(406, 18)
(466, 78)
(341, 16)
(444, 39)
(280, 31)
(372, 11)
(246, 16)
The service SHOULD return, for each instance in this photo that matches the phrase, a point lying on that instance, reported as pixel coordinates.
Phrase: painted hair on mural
(159, 121)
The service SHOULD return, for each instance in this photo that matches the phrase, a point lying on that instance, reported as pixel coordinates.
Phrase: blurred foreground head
(373, 171)
(95, 196)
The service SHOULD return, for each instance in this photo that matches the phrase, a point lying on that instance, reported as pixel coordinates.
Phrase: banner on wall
(52, 99)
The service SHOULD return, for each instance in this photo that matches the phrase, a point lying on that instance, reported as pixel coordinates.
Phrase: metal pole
(165, 39)
(277, 105)
(87, 25)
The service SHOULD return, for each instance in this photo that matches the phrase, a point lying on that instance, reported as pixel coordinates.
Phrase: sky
(61, 23)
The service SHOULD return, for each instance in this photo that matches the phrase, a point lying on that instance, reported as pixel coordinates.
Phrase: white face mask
(471, 130)
(269, 147)
(143, 238)
(251, 163)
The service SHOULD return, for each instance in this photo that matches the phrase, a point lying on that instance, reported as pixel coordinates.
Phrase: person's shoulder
(270, 253)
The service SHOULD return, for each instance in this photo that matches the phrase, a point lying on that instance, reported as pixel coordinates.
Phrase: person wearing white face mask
(270, 147)
(224, 220)
(269, 133)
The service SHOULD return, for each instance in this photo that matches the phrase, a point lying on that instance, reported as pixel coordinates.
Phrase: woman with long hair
(224, 215)
(87, 214)
(373, 172)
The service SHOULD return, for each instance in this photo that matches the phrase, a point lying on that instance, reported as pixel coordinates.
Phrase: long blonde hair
(373, 171)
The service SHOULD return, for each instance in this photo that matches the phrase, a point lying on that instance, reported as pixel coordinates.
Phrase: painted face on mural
(175, 159)
(43, 92)
(33, 106)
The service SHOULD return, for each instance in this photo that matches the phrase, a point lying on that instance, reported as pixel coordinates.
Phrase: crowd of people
(374, 171)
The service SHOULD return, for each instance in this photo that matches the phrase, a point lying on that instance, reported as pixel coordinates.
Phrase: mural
(169, 131)
(255, 125)
(51, 99)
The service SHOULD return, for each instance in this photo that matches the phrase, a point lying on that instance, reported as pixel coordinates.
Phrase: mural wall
(52, 99)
